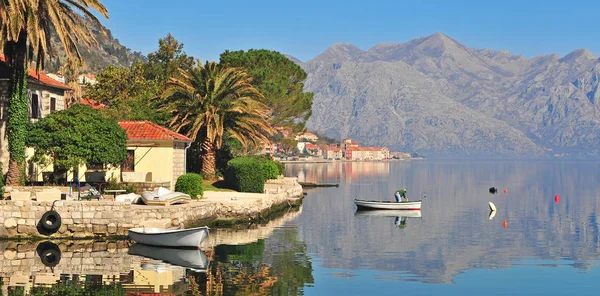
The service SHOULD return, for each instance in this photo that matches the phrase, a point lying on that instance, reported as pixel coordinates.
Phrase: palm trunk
(18, 110)
(208, 159)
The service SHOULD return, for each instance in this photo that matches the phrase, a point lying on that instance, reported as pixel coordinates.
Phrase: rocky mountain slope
(108, 52)
(438, 97)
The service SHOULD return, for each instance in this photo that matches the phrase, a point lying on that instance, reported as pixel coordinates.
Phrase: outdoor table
(114, 192)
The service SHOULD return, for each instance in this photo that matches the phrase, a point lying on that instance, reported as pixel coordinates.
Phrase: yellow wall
(156, 159)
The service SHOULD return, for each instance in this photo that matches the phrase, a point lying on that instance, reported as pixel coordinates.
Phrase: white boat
(163, 196)
(177, 238)
(188, 258)
(391, 213)
(387, 205)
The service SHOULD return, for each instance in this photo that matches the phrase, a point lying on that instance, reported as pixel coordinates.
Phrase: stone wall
(83, 257)
(19, 219)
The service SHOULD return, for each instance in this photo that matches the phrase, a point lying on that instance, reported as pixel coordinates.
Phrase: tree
(77, 136)
(279, 80)
(127, 93)
(210, 101)
(166, 61)
(288, 145)
(26, 27)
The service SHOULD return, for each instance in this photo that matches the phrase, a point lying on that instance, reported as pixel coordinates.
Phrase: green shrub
(190, 184)
(280, 167)
(245, 174)
(270, 169)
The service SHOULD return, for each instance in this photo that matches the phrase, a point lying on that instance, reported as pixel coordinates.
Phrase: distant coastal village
(308, 148)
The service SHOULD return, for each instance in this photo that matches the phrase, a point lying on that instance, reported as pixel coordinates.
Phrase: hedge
(281, 167)
(270, 169)
(191, 184)
(245, 174)
(268, 159)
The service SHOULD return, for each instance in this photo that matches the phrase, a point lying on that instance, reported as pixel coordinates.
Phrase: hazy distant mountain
(293, 59)
(436, 96)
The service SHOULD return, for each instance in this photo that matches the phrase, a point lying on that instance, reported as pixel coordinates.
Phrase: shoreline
(21, 220)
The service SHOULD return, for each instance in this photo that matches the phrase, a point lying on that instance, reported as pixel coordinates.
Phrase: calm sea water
(533, 245)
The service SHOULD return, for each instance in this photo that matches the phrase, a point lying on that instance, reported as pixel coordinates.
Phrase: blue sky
(306, 28)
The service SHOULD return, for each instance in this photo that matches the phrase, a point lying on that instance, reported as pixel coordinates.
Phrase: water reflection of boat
(400, 215)
(188, 258)
(387, 205)
(391, 213)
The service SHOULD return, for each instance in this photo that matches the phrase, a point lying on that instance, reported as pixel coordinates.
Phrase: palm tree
(26, 27)
(210, 101)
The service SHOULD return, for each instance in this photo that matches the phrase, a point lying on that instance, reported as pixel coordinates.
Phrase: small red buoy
(556, 198)
(505, 191)
(505, 224)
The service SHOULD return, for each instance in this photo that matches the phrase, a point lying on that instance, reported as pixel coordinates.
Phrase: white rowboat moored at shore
(387, 205)
(177, 238)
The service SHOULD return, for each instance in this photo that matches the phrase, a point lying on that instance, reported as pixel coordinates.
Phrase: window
(129, 163)
(35, 106)
(52, 104)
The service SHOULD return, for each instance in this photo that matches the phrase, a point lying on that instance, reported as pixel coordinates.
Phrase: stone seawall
(20, 219)
(85, 257)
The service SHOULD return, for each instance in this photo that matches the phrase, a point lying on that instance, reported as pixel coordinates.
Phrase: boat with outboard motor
(387, 205)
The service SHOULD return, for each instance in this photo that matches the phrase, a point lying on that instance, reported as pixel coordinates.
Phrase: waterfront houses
(313, 149)
(352, 151)
(333, 152)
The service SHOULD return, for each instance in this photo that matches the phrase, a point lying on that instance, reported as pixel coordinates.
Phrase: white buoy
(492, 206)
(492, 214)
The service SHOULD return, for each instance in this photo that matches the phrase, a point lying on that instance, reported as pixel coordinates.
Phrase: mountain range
(438, 97)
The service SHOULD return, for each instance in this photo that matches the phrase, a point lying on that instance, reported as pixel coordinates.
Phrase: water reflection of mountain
(455, 234)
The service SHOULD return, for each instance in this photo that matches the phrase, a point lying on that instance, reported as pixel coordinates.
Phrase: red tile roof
(92, 103)
(365, 148)
(311, 146)
(146, 130)
(41, 77)
(334, 149)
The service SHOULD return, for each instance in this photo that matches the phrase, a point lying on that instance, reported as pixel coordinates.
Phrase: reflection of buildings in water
(354, 171)
(349, 171)
(153, 277)
(87, 263)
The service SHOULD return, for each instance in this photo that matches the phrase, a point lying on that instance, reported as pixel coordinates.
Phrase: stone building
(45, 95)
